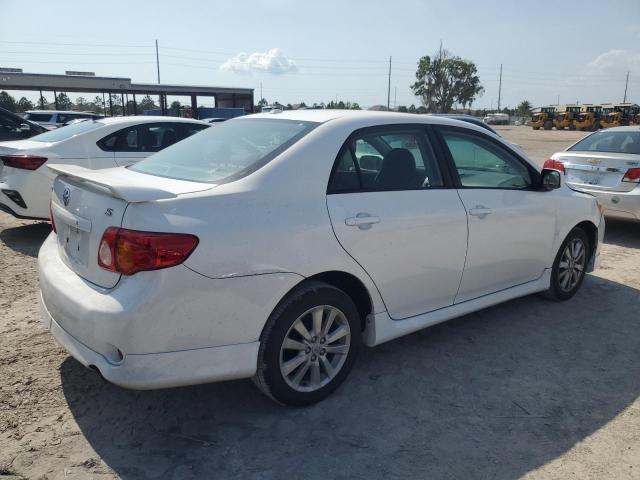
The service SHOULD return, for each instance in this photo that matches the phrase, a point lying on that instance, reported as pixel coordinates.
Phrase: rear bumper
(159, 329)
(161, 370)
(34, 190)
(623, 205)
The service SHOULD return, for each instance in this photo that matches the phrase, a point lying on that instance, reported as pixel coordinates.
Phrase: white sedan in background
(273, 245)
(25, 182)
(605, 164)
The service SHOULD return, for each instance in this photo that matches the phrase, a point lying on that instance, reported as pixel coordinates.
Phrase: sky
(316, 51)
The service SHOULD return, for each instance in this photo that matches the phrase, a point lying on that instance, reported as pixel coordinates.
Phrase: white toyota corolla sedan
(605, 164)
(272, 246)
(25, 182)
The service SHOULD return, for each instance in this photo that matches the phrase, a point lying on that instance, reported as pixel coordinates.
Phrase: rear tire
(536, 128)
(548, 125)
(309, 345)
(569, 266)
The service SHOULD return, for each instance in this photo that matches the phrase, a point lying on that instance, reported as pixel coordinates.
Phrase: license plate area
(584, 177)
(73, 242)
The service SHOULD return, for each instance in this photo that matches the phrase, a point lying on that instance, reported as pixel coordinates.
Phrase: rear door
(393, 211)
(511, 222)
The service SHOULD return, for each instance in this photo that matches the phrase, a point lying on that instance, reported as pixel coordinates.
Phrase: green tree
(7, 101)
(64, 102)
(524, 108)
(403, 109)
(24, 104)
(443, 79)
(412, 108)
(42, 102)
(147, 103)
(96, 105)
(82, 104)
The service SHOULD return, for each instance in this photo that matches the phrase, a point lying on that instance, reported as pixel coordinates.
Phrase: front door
(511, 223)
(391, 211)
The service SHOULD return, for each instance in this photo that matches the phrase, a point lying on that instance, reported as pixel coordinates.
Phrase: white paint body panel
(415, 254)
(262, 235)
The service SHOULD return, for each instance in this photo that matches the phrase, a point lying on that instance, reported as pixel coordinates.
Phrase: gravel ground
(528, 389)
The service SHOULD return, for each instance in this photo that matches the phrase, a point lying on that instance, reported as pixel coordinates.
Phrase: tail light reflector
(23, 162)
(554, 165)
(632, 175)
(130, 251)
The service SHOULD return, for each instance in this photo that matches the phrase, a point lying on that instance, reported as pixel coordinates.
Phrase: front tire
(570, 266)
(309, 345)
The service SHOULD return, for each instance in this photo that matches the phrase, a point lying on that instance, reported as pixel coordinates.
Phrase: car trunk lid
(598, 170)
(86, 202)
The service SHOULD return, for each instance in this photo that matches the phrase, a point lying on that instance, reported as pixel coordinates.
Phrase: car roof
(69, 112)
(631, 128)
(325, 115)
(148, 119)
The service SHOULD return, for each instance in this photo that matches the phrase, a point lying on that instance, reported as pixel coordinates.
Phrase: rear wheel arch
(346, 282)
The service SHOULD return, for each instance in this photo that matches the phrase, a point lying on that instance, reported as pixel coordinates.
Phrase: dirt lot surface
(528, 389)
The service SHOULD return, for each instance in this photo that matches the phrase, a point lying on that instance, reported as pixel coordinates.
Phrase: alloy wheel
(315, 348)
(572, 265)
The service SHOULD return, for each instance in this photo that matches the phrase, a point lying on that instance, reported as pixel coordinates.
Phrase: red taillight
(554, 165)
(53, 222)
(632, 175)
(23, 162)
(130, 251)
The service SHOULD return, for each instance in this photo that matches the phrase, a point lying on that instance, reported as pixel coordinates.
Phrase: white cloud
(617, 60)
(272, 61)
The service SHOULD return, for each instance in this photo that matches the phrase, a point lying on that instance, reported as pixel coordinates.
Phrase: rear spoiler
(121, 183)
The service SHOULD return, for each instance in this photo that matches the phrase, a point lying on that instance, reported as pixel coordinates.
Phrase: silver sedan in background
(605, 164)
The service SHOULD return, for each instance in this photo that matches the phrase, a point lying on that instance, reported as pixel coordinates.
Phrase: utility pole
(625, 89)
(389, 86)
(500, 88)
(395, 97)
(158, 61)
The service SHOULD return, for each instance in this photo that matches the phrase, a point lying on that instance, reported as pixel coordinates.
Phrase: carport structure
(225, 97)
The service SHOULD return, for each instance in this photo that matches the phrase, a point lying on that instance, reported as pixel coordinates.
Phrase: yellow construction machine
(621, 114)
(589, 118)
(543, 118)
(564, 119)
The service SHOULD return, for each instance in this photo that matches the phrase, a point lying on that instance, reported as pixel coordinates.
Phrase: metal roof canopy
(225, 96)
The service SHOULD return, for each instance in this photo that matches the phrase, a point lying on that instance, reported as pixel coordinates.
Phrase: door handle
(362, 220)
(480, 211)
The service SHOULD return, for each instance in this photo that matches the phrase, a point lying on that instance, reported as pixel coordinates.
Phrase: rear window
(608, 141)
(63, 133)
(38, 117)
(229, 151)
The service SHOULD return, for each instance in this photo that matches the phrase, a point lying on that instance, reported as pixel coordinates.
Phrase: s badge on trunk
(66, 196)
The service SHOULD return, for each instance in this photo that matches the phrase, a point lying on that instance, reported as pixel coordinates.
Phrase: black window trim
(427, 140)
(451, 166)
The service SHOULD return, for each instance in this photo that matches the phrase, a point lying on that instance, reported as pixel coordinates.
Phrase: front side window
(231, 150)
(611, 142)
(481, 163)
(385, 159)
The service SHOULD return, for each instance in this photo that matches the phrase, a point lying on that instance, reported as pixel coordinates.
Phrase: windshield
(607, 141)
(63, 133)
(230, 151)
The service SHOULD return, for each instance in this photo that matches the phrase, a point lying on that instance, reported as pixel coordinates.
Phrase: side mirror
(551, 179)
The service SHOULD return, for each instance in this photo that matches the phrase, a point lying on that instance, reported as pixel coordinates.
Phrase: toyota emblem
(66, 196)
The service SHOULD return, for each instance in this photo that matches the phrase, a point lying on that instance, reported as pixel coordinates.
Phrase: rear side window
(385, 159)
(231, 150)
(125, 140)
(612, 142)
(64, 133)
